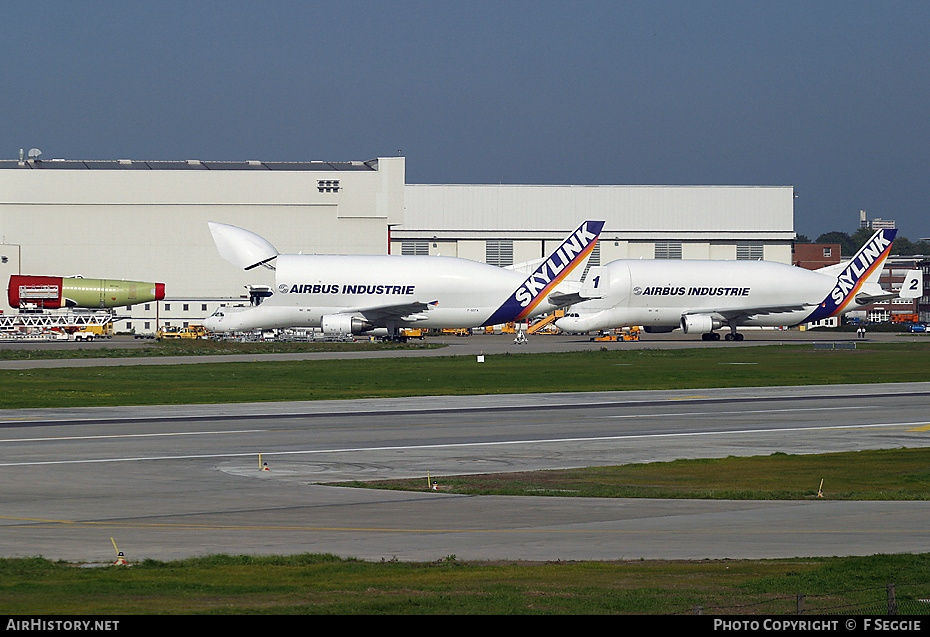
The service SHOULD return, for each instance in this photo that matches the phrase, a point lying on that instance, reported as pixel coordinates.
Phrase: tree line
(850, 243)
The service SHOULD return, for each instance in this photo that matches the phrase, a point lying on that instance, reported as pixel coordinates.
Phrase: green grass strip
(322, 584)
(193, 347)
(603, 370)
(887, 474)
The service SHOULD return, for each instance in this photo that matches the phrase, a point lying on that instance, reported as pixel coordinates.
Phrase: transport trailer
(45, 326)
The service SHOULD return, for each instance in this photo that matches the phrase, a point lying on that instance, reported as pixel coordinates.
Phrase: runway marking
(376, 529)
(742, 411)
(459, 445)
(921, 428)
(109, 436)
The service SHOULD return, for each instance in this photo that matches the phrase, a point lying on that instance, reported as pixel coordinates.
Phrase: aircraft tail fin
(572, 252)
(864, 267)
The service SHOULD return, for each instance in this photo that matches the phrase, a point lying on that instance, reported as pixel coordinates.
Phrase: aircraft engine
(699, 323)
(344, 324)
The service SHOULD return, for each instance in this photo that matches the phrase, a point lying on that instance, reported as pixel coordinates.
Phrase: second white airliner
(704, 296)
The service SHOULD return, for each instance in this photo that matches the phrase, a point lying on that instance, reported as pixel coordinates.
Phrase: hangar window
(749, 250)
(499, 252)
(668, 250)
(414, 248)
(327, 185)
(827, 252)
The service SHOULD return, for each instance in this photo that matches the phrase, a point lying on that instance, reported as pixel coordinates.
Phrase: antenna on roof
(34, 154)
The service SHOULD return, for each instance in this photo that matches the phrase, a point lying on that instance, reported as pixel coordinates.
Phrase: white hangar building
(147, 221)
(488, 222)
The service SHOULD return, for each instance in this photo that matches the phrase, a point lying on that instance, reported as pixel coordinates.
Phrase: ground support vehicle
(177, 333)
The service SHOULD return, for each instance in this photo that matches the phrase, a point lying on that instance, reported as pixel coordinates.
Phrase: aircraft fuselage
(460, 293)
(656, 293)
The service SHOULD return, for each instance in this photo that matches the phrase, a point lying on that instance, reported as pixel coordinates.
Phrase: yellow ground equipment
(100, 331)
(191, 331)
(546, 325)
(624, 334)
(456, 332)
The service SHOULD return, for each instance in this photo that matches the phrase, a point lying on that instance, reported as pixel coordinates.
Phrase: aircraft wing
(864, 299)
(377, 314)
(559, 299)
(736, 313)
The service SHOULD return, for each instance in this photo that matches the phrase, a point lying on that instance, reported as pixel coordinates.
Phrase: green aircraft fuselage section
(50, 292)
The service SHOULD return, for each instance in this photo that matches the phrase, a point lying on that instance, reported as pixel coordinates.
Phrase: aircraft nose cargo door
(240, 247)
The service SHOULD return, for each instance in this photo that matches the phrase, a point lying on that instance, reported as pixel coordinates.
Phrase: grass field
(322, 584)
(194, 347)
(503, 374)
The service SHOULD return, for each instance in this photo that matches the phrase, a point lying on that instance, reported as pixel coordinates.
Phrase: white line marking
(466, 444)
(109, 436)
(747, 411)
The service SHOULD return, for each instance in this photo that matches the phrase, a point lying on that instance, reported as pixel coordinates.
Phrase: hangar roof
(191, 164)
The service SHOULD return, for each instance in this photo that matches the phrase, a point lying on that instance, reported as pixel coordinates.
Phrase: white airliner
(704, 296)
(357, 294)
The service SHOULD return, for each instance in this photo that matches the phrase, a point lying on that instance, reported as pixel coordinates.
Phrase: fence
(890, 600)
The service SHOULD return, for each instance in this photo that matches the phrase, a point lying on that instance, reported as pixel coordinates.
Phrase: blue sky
(830, 97)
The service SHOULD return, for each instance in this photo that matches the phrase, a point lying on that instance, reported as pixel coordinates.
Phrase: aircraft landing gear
(714, 336)
(394, 335)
